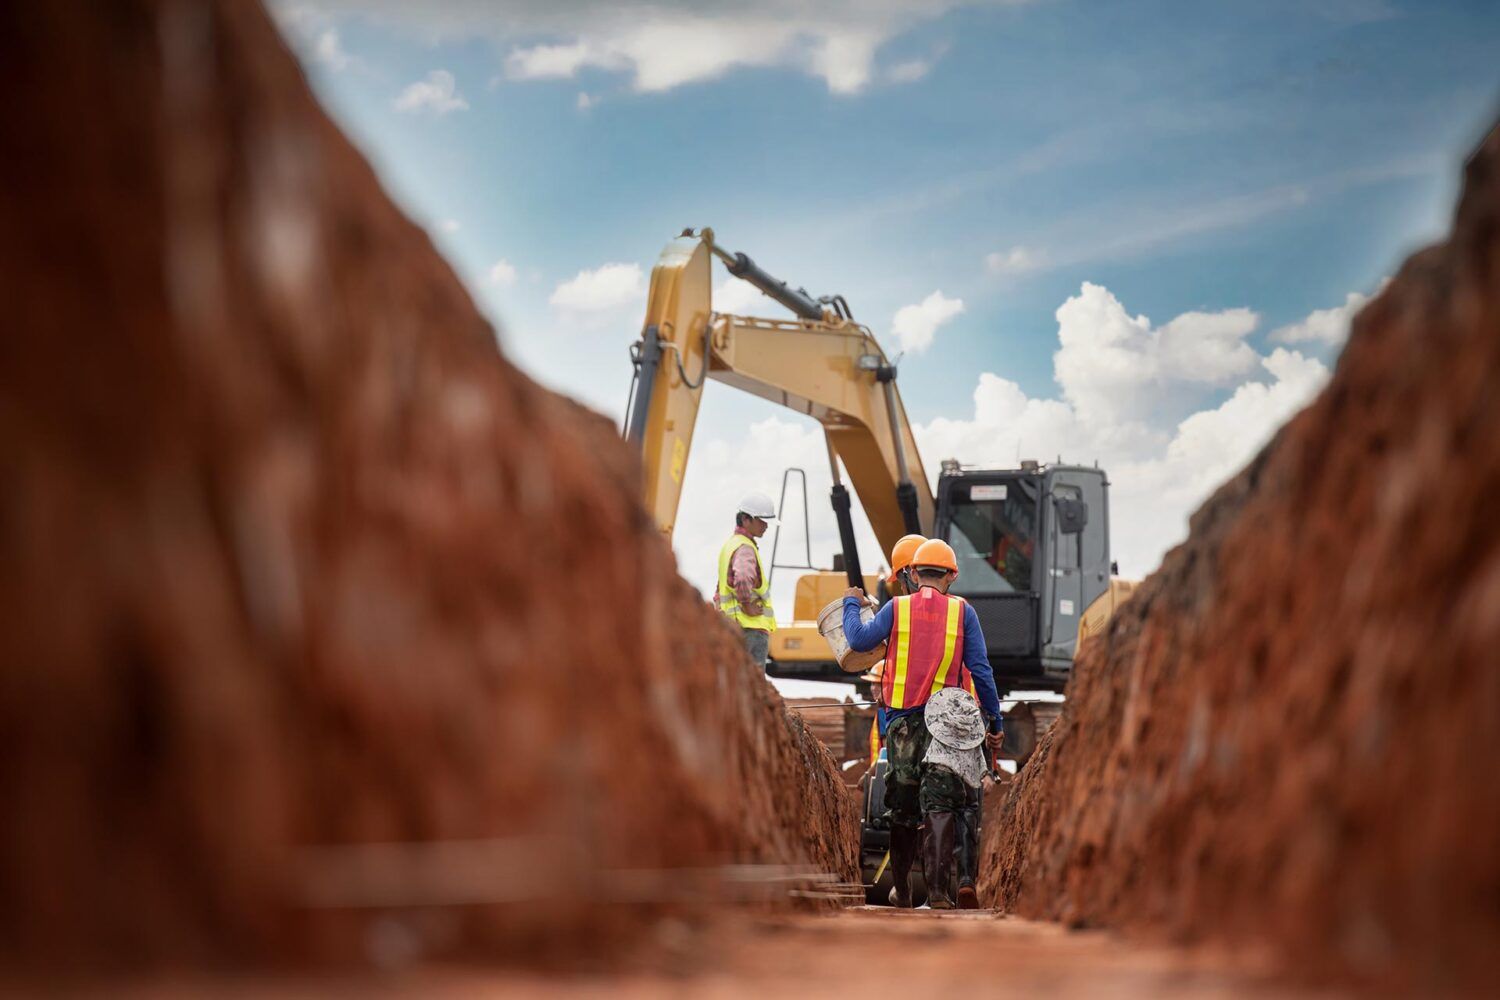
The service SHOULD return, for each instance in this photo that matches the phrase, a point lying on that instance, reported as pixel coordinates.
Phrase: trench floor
(851, 953)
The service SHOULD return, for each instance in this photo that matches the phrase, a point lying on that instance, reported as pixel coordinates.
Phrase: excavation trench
(331, 638)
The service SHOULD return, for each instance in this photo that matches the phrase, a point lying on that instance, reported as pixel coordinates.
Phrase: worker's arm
(744, 577)
(864, 637)
(977, 659)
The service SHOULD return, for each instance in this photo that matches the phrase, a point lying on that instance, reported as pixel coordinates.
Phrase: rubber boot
(968, 859)
(937, 860)
(903, 854)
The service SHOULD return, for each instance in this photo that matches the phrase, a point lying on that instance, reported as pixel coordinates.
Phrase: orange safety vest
(925, 652)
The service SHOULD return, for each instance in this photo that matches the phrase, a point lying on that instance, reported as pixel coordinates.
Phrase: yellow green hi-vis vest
(729, 603)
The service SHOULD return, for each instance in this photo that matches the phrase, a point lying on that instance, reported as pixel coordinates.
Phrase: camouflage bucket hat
(953, 719)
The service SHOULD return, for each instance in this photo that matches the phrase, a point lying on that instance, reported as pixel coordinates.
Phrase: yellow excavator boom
(821, 363)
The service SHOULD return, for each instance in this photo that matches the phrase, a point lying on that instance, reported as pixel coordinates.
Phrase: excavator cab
(1033, 555)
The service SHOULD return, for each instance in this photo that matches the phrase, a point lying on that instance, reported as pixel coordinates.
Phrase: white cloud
(912, 70)
(1160, 468)
(740, 298)
(844, 60)
(608, 287)
(1325, 326)
(547, 62)
(1012, 261)
(438, 94)
(1208, 347)
(669, 43)
(502, 274)
(584, 101)
(914, 326)
(329, 52)
(1113, 367)
(449, 225)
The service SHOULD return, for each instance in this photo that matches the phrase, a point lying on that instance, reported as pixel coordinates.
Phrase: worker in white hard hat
(744, 593)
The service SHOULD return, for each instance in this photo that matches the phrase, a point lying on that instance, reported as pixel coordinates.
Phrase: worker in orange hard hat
(933, 639)
(901, 554)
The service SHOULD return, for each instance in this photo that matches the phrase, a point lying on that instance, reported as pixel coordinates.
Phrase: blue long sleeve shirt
(863, 637)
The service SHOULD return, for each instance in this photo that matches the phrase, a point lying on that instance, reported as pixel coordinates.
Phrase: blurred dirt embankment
(293, 559)
(1288, 738)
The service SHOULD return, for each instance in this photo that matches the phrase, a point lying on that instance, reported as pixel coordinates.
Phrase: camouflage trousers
(913, 788)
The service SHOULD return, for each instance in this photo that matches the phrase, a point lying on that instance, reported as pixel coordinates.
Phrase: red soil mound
(1288, 736)
(293, 558)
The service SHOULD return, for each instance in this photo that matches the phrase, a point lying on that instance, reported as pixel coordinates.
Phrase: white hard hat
(758, 505)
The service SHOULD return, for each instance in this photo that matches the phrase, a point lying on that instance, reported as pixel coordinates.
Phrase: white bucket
(831, 627)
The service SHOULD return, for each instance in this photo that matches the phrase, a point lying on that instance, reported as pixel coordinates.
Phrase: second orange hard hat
(902, 552)
(937, 553)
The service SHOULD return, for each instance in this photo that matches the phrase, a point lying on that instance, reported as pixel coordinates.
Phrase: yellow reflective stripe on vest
(950, 644)
(903, 647)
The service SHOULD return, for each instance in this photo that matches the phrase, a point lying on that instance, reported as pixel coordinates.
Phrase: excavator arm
(822, 364)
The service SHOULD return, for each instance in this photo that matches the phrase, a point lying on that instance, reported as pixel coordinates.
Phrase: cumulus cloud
(603, 288)
(584, 101)
(438, 93)
(916, 325)
(449, 225)
(1161, 468)
(1325, 326)
(669, 43)
(502, 274)
(1112, 366)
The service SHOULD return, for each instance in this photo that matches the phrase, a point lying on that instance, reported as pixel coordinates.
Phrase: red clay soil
(872, 953)
(294, 559)
(1288, 737)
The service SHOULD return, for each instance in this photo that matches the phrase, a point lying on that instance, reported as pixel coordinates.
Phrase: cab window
(993, 532)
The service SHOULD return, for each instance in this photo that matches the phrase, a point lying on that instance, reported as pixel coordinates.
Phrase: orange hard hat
(902, 552)
(935, 553)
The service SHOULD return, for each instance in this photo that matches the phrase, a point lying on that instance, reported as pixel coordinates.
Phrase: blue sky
(1238, 166)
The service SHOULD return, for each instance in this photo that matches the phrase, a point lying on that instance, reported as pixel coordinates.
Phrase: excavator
(1032, 542)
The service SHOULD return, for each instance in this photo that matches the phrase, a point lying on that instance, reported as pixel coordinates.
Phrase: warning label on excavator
(991, 492)
(679, 459)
